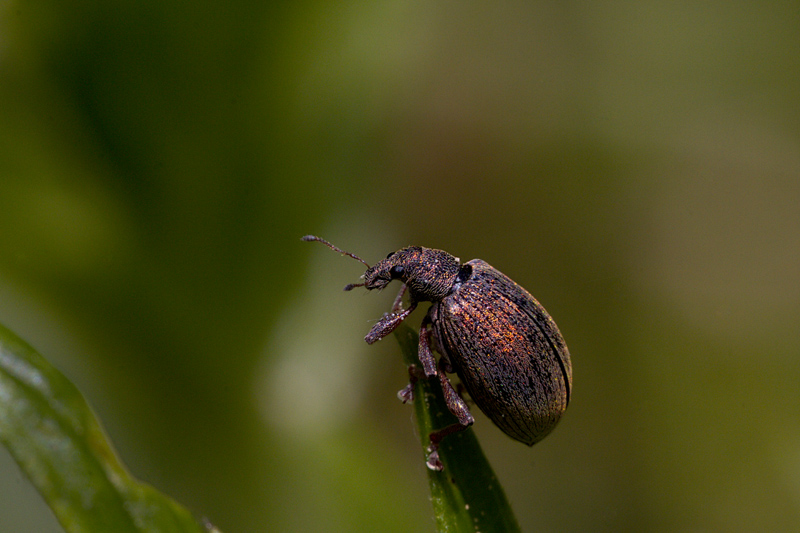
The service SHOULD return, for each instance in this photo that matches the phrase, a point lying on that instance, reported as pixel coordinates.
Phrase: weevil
(505, 348)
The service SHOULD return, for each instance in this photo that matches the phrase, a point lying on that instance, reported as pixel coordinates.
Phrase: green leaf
(57, 441)
(466, 494)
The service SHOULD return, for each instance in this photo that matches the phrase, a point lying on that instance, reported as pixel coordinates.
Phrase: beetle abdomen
(507, 351)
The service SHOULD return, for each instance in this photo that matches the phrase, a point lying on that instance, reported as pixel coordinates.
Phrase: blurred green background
(636, 166)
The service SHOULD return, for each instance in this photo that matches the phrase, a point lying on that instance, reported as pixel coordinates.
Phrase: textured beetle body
(501, 342)
(507, 351)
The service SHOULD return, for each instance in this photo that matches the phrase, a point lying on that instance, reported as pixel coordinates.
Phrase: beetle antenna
(310, 238)
(352, 286)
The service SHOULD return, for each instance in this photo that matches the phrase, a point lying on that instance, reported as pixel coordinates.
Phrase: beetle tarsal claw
(406, 394)
(433, 462)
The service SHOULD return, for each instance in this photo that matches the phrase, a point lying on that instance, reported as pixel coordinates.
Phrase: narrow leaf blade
(58, 442)
(466, 495)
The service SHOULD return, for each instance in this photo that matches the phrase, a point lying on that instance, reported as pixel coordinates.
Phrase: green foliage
(57, 441)
(59, 444)
(466, 495)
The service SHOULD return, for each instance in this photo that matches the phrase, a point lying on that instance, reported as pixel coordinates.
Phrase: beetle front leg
(398, 302)
(388, 324)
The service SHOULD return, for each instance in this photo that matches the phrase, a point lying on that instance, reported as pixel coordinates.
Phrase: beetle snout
(376, 278)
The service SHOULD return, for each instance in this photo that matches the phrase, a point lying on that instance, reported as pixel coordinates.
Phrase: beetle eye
(464, 273)
(397, 271)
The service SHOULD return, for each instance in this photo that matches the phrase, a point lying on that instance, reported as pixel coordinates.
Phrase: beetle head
(428, 273)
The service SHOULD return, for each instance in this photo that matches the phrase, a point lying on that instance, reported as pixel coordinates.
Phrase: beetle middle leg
(458, 407)
(425, 355)
(406, 394)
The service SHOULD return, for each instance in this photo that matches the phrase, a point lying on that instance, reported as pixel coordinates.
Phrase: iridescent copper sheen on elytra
(500, 341)
(517, 366)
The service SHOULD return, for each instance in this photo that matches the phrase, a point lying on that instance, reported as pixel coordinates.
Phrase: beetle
(505, 348)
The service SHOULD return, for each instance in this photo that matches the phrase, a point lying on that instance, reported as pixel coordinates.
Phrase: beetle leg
(459, 408)
(444, 361)
(388, 323)
(460, 389)
(424, 352)
(433, 462)
(426, 358)
(455, 403)
(398, 302)
(406, 394)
